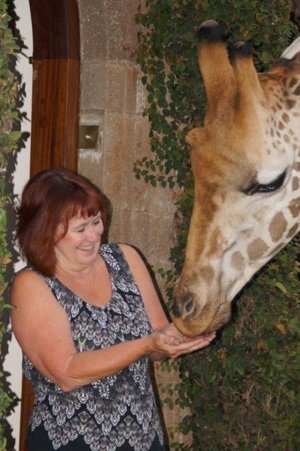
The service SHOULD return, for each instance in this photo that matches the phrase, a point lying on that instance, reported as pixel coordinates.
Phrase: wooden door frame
(55, 107)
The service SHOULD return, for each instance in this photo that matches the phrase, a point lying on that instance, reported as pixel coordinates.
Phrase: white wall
(13, 362)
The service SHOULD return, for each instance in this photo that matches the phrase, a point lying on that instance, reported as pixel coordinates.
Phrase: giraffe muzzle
(195, 317)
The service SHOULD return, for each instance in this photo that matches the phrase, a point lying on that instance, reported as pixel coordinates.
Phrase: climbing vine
(9, 137)
(229, 387)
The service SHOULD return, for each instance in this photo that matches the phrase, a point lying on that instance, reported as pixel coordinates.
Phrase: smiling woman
(80, 243)
(50, 200)
(97, 322)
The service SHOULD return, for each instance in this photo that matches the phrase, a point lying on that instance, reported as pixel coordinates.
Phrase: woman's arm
(43, 331)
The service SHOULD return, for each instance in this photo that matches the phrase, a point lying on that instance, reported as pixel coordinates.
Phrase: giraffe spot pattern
(280, 126)
(290, 103)
(294, 207)
(285, 118)
(277, 227)
(256, 249)
(295, 183)
(237, 260)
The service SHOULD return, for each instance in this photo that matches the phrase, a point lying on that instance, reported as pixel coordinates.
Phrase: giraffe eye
(255, 188)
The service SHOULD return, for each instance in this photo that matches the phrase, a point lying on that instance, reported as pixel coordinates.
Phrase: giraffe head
(246, 168)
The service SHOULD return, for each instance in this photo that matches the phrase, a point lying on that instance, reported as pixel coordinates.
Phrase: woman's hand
(172, 343)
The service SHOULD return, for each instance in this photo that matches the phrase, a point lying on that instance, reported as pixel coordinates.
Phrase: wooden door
(55, 106)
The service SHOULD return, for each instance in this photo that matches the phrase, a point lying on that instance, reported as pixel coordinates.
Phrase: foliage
(9, 136)
(242, 392)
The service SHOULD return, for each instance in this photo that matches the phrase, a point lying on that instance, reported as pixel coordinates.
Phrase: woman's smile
(80, 245)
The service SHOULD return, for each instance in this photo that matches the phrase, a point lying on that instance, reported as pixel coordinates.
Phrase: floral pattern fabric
(114, 410)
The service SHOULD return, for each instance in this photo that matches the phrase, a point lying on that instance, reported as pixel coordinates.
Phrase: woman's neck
(79, 272)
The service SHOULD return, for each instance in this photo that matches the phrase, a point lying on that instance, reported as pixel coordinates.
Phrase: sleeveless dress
(117, 412)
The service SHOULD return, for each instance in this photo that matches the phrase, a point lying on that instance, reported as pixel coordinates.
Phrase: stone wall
(113, 99)
(112, 102)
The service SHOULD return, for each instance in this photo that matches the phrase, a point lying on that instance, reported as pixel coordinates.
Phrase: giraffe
(246, 169)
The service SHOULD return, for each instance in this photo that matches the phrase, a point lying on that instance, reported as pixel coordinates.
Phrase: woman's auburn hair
(50, 198)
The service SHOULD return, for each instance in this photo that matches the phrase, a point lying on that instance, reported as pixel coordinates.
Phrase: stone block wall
(113, 98)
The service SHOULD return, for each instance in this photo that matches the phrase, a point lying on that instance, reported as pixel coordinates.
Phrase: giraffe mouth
(193, 320)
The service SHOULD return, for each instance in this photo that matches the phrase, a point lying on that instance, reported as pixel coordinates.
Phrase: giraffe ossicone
(246, 169)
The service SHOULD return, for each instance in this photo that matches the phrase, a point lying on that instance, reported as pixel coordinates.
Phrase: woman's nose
(93, 234)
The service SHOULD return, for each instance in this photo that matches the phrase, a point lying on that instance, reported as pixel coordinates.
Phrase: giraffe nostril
(184, 307)
(175, 310)
(189, 306)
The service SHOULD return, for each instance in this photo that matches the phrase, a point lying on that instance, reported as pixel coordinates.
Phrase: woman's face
(79, 247)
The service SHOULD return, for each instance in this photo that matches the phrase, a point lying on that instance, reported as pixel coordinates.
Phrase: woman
(88, 319)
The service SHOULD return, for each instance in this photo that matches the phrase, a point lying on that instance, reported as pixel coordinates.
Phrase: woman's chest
(93, 287)
(123, 319)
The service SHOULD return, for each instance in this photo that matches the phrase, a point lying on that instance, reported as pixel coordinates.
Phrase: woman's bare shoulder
(26, 283)
(131, 253)
(26, 276)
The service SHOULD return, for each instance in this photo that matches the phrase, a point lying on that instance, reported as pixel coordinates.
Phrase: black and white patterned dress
(112, 413)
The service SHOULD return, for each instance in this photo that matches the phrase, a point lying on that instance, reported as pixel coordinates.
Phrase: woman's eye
(255, 188)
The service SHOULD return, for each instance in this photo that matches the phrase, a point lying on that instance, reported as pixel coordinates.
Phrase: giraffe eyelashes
(256, 188)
